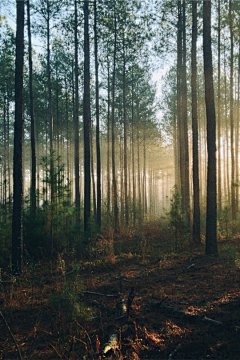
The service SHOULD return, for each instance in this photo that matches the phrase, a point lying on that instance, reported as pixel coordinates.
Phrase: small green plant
(178, 220)
(224, 223)
(67, 301)
(230, 251)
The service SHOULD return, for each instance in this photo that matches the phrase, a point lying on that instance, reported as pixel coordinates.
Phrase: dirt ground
(69, 310)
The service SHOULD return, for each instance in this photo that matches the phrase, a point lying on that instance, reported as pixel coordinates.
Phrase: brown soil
(51, 316)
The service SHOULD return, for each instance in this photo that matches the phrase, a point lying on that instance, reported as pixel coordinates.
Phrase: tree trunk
(125, 135)
(186, 199)
(196, 207)
(115, 203)
(17, 239)
(52, 182)
(76, 123)
(108, 144)
(133, 160)
(33, 151)
(179, 102)
(211, 233)
(219, 113)
(231, 117)
(92, 172)
(99, 195)
(86, 124)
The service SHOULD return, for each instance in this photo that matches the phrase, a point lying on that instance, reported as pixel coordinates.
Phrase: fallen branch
(192, 317)
(174, 352)
(120, 279)
(155, 303)
(99, 294)
(6, 323)
(101, 306)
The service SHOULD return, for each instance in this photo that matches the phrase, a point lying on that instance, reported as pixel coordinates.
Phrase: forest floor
(185, 306)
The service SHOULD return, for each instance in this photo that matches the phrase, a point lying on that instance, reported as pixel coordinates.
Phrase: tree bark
(186, 199)
(211, 233)
(196, 207)
(86, 124)
(33, 151)
(231, 117)
(125, 135)
(219, 113)
(99, 192)
(115, 202)
(76, 123)
(17, 237)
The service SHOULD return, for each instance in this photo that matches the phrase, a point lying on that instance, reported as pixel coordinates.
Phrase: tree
(211, 233)
(196, 207)
(76, 120)
(114, 181)
(33, 151)
(99, 194)
(17, 237)
(86, 123)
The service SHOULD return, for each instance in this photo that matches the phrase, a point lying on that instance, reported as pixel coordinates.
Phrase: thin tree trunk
(86, 124)
(17, 237)
(125, 135)
(185, 120)
(133, 160)
(76, 123)
(4, 184)
(231, 117)
(115, 203)
(196, 207)
(219, 112)
(211, 233)
(99, 195)
(108, 146)
(237, 134)
(52, 183)
(33, 150)
(92, 172)
(179, 102)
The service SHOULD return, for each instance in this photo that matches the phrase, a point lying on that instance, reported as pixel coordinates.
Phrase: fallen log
(191, 317)
(99, 294)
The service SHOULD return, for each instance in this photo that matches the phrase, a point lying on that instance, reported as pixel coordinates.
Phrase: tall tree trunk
(211, 233)
(179, 102)
(76, 123)
(237, 134)
(17, 237)
(108, 143)
(92, 172)
(133, 159)
(125, 135)
(52, 182)
(99, 195)
(219, 111)
(8, 153)
(4, 184)
(115, 201)
(185, 119)
(231, 116)
(226, 172)
(145, 209)
(86, 124)
(33, 151)
(196, 207)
